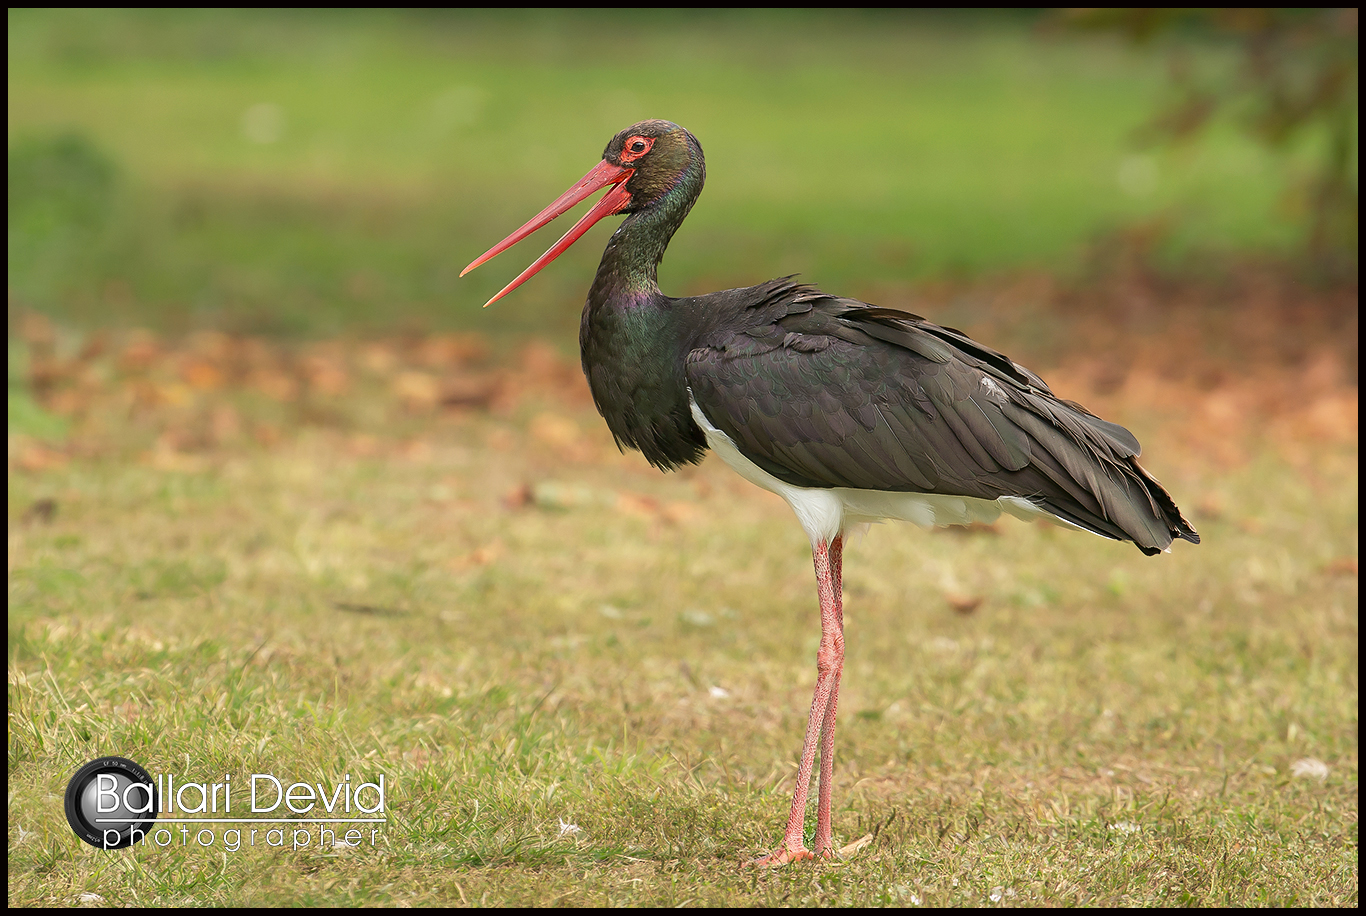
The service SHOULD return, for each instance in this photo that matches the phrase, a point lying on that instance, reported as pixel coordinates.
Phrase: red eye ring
(635, 147)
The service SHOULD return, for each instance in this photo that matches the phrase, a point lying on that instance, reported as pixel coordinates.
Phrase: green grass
(858, 149)
(1103, 729)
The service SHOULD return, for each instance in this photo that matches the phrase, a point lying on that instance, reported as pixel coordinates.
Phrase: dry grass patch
(585, 682)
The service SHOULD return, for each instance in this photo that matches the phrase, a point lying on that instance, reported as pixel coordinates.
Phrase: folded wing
(826, 392)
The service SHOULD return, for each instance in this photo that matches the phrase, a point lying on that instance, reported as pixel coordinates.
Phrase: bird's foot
(783, 856)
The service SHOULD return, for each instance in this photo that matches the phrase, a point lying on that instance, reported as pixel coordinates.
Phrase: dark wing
(825, 392)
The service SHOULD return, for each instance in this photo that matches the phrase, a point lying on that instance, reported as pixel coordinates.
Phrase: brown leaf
(45, 373)
(1210, 507)
(362, 445)
(94, 347)
(476, 391)
(140, 352)
(418, 451)
(68, 402)
(325, 376)
(638, 505)
(275, 384)
(481, 556)
(35, 457)
(1341, 566)
(36, 329)
(444, 351)
(42, 510)
(554, 430)
(518, 497)
(266, 434)
(419, 391)
(201, 374)
(378, 358)
(964, 604)
(165, 457)
(213, 346)
(225, 424)
(851, 848)
(681, 513)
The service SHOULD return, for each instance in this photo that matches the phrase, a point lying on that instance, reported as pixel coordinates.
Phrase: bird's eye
(635, 147)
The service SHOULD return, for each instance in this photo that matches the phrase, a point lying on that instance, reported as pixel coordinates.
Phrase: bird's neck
(633, 344)
(629, 271)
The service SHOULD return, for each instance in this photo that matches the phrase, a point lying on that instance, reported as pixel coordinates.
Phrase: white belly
(827, 512)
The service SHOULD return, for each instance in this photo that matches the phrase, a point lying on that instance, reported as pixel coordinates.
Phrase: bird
(850, 412)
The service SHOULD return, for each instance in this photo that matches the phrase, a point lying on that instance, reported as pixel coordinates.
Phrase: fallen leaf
(42, 510)
(225, 424)
(68, 402)
(680, 513)
(554, 430)
(1341, 566)
(325, 376)
(855, 846)
(964, 604)
(637, 505)
(469, 391)
(275, 384)
(165, 458)
(200, 374)
(362, 445)
(447, 350)
(266, 434)
(36, 328)
(1210, 508)
(35, 457)
(518, 497)
(378, 358)
(417, 390)
(140, 352)
(416, 450)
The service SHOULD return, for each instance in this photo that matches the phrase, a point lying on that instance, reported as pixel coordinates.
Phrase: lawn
(282, 499)
(304, 174)
(585, 682)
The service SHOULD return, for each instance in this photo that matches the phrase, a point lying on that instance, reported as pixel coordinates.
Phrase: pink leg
(821, 722)
(824, 844)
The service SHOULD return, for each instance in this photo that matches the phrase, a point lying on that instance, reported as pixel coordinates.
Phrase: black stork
(850, 412)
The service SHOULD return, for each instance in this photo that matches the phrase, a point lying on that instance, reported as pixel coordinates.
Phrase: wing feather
(824, 392)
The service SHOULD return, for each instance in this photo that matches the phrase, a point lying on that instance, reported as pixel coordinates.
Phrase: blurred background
(306, 173)
(287, 177)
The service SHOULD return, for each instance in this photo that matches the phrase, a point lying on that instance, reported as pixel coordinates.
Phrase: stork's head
(640, 166)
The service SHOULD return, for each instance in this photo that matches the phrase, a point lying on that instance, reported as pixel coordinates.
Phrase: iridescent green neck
(630, 263)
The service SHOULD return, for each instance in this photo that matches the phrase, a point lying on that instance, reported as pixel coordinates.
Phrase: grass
(302, 174)
(526, 632)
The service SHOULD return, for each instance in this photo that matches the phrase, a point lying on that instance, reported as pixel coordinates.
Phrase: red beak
(614, 201)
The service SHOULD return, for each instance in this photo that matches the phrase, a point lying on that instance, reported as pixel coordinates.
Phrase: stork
(850, 412)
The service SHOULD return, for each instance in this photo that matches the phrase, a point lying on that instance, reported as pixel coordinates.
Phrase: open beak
(602, 175)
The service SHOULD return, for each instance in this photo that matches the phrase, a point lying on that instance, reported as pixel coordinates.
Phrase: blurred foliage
(1297, 77)
(58, 183)
(309, 174)
(61, 198)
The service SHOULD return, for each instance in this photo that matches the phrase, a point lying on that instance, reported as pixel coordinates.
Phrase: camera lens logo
(111, 802)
